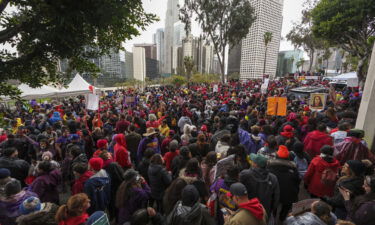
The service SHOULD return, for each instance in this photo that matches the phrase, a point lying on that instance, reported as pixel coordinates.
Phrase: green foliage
(189, 66)
(349, 24)
(300, 63)
(176, 80)
(43, 31)
(199, 78)
(224, 22)
(234, 76)
(267, 38)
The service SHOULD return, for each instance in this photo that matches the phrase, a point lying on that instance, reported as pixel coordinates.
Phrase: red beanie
(102, 143)
(96, 163)
(204, 127)
(283, 152)
(288, 128)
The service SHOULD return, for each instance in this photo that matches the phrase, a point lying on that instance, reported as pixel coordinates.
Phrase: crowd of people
(179, 156)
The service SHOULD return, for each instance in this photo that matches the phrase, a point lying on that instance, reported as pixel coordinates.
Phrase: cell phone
(224, 211)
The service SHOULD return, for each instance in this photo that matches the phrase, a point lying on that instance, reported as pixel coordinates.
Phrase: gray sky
(291, 12)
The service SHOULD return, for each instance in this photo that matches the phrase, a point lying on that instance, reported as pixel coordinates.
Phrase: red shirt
(168, 157)
(80, 182)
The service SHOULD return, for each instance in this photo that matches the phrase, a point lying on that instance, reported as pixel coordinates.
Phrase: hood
(101, 174)
(48, 210)
(154, 169)
(254, 207)
(120, 140)
(53, 178)
(188, 179)
(282, 163)
(12, 204)
(318, 135)
(306, 218)
(189, 214)
(82, 158)
(260, 175)
(86, 175)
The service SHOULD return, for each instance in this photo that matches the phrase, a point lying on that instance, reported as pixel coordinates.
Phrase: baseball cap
(237, 189)
(259, 159)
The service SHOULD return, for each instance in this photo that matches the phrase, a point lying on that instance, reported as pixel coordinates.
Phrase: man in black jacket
(288, 178)
(189, 210)
(18, 168)
(261, 184)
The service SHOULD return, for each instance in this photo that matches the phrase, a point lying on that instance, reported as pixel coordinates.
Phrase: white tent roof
(41, 92)
(345, 76)
(77, 86)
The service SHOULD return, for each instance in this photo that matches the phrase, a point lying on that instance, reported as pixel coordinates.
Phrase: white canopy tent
(346, 76)
(78, 86)
(29, 93)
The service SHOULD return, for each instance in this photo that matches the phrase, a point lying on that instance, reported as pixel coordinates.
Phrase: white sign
(92, 102)
(216, 88)
(311, 77)
(352, 82)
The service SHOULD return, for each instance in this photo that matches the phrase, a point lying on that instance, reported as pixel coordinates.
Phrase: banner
(92, 102)
(129, 100)
(317, 101)
(352, 82)
(216, 88)
(264, 86)
(276, 106)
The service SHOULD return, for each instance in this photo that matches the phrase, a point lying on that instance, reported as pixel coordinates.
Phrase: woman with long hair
(208, 170)
(132, 195)
(74, 212)
(361, 210)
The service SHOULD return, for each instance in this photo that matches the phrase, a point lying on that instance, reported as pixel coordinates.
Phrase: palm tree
(189, 66)
(300, 63)
(267, 38)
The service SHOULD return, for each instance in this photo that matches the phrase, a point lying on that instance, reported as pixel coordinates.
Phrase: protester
(320, 215)
(18, 168)
(316, 139)
(74, 212)
(34, 212)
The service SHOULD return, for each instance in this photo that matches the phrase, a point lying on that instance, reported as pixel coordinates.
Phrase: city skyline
(291, 13)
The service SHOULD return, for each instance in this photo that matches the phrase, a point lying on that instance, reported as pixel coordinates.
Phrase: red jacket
(168, 157)
(121, 155)
(314, 173)
(80, 182)
(315, 140)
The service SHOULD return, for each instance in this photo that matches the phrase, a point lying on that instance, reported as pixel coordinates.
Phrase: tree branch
(6, 34)
(3, 5)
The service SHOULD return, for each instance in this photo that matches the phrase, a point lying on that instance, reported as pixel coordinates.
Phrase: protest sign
(352, 82)
(276, 106)
(103, 220)
(216, 88)
(317, 101)
(92, 102)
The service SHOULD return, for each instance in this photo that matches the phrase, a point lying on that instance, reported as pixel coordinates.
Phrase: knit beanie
(356, 166)
(283, 152)
(102, 143)
(47, 154)
(96, 163)
(12, 187)
(4, 173)
(29, 205)
(190, 195)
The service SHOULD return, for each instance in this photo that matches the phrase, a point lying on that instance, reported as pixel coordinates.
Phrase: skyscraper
(150, 50)
(268, 19)
(171, 18)
(160, 49)
(139, 63)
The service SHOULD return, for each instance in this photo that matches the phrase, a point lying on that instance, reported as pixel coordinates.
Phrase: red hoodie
(121, 155)
(315, 140)
(80, 182)
(254, 207)
(77, 220)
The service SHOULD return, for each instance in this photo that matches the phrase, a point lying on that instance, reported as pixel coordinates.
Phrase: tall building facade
(150, 50)
(160, 49)
(170, 19)
(287, 62)
(268, 19)
(111, 64)
(139, 63)
(129, 72)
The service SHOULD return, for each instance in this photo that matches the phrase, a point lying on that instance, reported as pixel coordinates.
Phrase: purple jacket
(45, 186)
(148, 143)
(138, 200)
(364, 215)
(9, 207)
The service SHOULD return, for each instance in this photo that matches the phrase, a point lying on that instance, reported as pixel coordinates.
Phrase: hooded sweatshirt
(98, 188)
(55, 117)
(80, 182)
(121, 154)
(45, 186)
(315, 140)
(251, 212)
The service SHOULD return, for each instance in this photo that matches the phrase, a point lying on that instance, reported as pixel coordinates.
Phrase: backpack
(302, 165)
(329, 177)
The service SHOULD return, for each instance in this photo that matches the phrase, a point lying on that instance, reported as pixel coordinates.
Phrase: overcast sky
(291, 13)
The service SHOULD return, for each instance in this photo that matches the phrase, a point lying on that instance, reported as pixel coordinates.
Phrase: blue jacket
(98, 188)
(55, 117)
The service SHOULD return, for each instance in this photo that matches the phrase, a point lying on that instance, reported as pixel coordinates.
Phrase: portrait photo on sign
(317, 101)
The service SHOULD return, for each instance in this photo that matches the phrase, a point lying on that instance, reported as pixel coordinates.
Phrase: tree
(267, 38)
(224, 22)
(300, 63)
(189, 66)
(301, 34)
(349, 25)
(44, 31)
